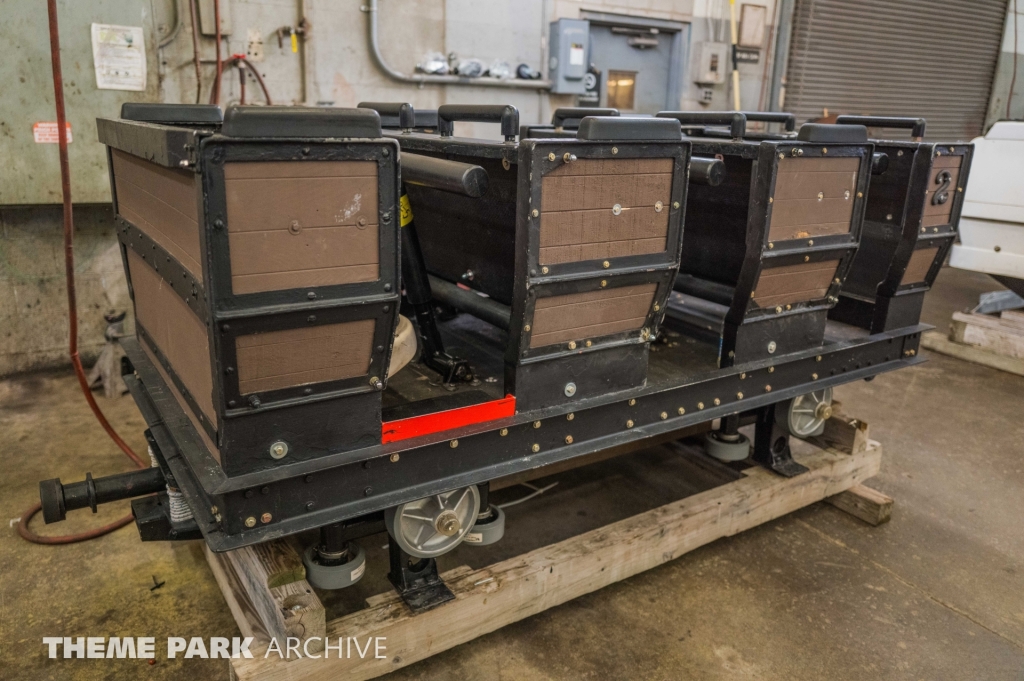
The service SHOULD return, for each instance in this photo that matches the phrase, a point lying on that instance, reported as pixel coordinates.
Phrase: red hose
(69, 269)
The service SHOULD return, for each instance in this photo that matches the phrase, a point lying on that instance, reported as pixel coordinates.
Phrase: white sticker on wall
(119, 54)
(576, 54)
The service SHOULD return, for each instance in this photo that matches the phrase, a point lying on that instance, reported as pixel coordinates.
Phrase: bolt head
(447, 523)
(570, 389)
(551, 156)
(535, 448)
(266, 518)
(814, 377)
(568, 439)
(664, 415)
(717, 401)
(250, 522)
(535, 212)
(700, 405)
(453, 444)
(772, 347)
(632, 403)
(394, 458)
(570, 416)
(572, 345)
(503, 432)
(629, 423)
(681, 411)
(536, 424)
(658, 206)
(675, 204)
(279, 449)
(739, 396)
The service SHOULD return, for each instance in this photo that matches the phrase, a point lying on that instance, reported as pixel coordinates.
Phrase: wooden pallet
(266, 591)
(993, 340)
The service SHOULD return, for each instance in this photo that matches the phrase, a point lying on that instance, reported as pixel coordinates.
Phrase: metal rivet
(810, 242)
(589, 343)
(846, 195)
(700, 405)
(394, 458)
(526, 328)
(767, 388)
(570, 416)
(657, 307)
(279, 449)
(664, 415)
(837, 280)
(503, 432)
(310, 505)
(770, 245)
(717, 401)
(658, 205)
(860, 195)
(311, 295)
(739, 396)
(367, 491)
(789, 306)
(821, 196)
(959, 189)
(807, 258)
(453, 444)
(266, 518)
(568, 439)
(675, 204)
(629, 423)
(568, 158)
(213, 510)
(536, 424)
(535, 448)
(778, 309)
(311, 318)
(615, 150)
(899, 153)
(535, 212)
(771, 350)
(743, 375)
(632, 403)
(824, 150)
(570, 389)
(814, 377)
(818, 358)
(218, 223)
(617, 209)
(250, 522)
(505, 164)
(681, 411)
(606, 264)
(572, 345)
(551, 156)
(603, 283)
(781, 156)
(544, 270)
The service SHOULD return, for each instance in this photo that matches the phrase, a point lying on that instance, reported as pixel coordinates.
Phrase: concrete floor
(938, 593)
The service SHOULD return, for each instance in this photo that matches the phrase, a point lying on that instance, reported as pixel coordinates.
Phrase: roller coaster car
(577, 238)
(914, 201)
(765, 252)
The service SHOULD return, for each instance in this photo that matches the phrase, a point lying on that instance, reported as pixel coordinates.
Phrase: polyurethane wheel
(488, 530)
(726, 450)
(434, 525)
(334, 576)
(805, 416)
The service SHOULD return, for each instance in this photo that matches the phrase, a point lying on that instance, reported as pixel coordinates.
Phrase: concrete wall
(331, 67)
(33, 295)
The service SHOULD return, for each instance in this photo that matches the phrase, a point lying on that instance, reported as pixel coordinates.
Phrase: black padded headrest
(300, 121)
(172, 114)
(612, 128)
(823, 132)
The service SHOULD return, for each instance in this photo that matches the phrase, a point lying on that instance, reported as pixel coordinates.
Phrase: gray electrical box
(711, 63)
(569, 40)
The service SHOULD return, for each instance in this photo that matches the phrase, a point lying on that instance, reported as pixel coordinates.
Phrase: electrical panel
(711, 63)
(570, 56)
(207, 12)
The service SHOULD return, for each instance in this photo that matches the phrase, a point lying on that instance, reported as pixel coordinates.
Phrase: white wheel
(434, 525)
(488, 531)
(805, 416)
(334, 576)
(726, 450)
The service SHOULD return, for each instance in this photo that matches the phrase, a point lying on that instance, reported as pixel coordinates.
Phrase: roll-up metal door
(930, 58)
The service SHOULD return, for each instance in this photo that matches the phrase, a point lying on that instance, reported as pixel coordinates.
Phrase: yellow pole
(735, 66)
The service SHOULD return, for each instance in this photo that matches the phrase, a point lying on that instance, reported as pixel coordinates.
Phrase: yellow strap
(406, 210)
(295, 43)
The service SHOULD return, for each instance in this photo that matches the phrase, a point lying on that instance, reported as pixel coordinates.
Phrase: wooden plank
(988, 333)
(938, 342)
(871, 506)
(506, 592)
(1013, 317)
(246, 617)
(288, 610)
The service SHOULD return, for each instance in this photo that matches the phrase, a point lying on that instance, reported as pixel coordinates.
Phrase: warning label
(45, 132)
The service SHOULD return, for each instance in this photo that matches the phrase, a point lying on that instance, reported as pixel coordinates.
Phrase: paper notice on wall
(46, 132)
(119, 54)
(576, 54)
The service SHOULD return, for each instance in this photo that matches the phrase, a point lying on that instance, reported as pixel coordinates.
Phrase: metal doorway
(640, 61)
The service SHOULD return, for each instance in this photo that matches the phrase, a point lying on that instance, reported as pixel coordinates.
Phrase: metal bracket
(771, 445)
(419, 584)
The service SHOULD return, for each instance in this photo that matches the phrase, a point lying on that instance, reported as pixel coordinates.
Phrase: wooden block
(246, 617)
(842, 434)
(263, 576)
(506, 592)
(989, 333)
(938, 342)
(871, 506)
